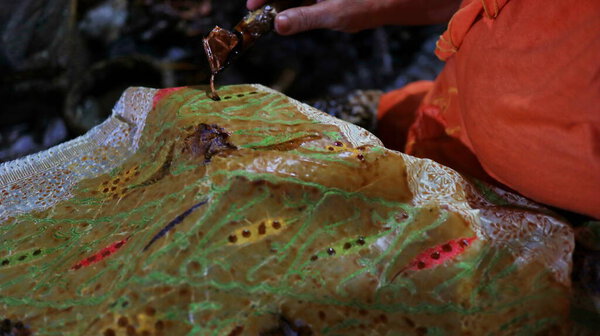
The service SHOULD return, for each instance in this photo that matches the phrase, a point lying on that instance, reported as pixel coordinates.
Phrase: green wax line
(281, 179)
(518, 302)
(392, 246)
(304, 226)
(157, 278)
(261, 120)
(467, 271)
(256, 131)
(489, 194)
(317, 233)
(17, 280)
(492, 287)
(496, 255)
(94, 278)
(409, 240)
(341, 325)
(389, 308)
(340, 251)
(328, 157)
(266, 261)
(197, 97)
(234, 108)
(305, 201)
(89, 301)
(57, 262)
(310, 211)
(151, 204)
(217, 226)
(278, 139)
(21, 257)
(402, 283)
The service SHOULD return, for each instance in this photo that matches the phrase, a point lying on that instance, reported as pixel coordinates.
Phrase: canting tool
(223, 46)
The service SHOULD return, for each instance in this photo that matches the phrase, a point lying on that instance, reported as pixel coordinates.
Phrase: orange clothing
(518, 100)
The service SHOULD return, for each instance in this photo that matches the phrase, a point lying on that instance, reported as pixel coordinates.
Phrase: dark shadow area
(64, 63)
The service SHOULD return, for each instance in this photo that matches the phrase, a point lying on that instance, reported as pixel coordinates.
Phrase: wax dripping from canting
(437, 255)
(99, 256)
(223, 46)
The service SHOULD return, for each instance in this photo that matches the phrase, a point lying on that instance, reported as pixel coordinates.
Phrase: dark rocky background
(64, 63)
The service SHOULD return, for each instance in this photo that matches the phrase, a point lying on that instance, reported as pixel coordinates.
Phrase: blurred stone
(22, 146)
(55, 133)
(357, 107)
(91, 99)
(37, 34)
(105, 21)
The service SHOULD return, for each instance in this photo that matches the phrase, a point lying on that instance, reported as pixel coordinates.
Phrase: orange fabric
(520, 94)
(397, 111)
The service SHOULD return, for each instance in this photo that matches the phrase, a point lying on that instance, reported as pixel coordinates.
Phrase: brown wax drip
(213, 92)
(223, 46)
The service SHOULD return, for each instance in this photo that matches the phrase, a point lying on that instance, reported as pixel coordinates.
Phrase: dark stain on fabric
(207, 141)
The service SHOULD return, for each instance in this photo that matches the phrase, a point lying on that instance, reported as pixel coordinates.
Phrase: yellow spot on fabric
(257, 231)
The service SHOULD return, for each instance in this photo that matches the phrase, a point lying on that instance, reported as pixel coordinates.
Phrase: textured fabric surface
(258, 215)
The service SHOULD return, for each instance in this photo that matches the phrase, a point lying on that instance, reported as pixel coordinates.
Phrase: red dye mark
(160, 94)
(104, 253)
(437, 255)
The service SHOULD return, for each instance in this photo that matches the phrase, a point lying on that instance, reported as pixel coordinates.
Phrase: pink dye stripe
(104, 253)
(160, 94)
(437, 255)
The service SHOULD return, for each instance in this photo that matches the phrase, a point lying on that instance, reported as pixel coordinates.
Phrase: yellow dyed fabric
(258, 215)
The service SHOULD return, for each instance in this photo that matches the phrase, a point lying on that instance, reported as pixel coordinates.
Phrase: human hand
(355, 15)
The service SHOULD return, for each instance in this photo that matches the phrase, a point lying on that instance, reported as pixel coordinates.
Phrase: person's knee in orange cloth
(397, 112)
(521, 92)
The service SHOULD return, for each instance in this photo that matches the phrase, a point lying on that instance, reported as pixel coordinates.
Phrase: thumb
(299, 19)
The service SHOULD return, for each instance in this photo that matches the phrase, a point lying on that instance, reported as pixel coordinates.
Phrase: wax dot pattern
(257, 231)
(117, 186)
